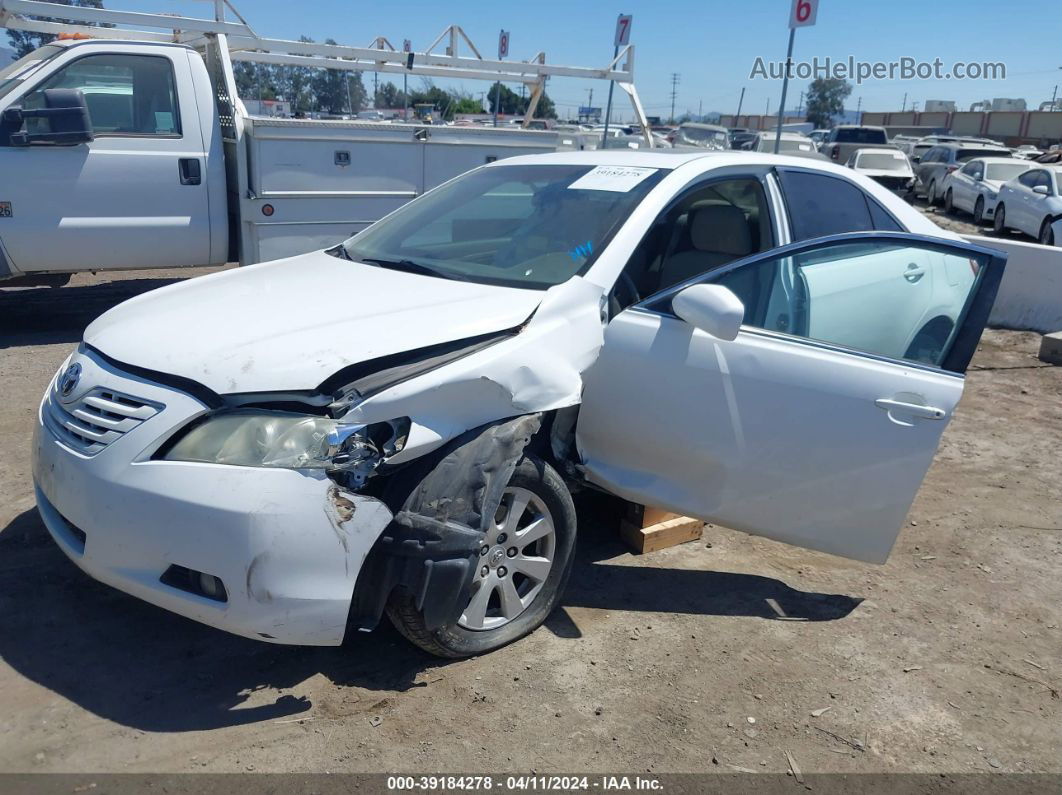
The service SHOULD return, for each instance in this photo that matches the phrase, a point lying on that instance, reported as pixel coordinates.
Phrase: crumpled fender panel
(432, 544)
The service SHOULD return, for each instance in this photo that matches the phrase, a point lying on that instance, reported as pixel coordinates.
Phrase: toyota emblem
(68, 380)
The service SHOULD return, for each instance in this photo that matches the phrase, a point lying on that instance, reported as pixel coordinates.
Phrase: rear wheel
(931, 195)
(1047, 233)
(979, 211)
(949, 208)
(524, 564)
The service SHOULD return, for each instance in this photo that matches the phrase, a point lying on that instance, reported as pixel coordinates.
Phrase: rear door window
(821, 205)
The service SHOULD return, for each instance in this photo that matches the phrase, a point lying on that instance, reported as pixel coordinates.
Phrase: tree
(513, 104)
(388, 96)
(826, 98)
(25, 42)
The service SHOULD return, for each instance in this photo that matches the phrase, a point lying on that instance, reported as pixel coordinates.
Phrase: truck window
(126, 94)
(860, 135)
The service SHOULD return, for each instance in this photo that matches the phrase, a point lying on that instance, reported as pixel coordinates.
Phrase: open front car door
(798, 394)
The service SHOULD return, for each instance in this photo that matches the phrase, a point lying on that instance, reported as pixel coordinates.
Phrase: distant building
(940, 106)
(999, 104)
(274, 108)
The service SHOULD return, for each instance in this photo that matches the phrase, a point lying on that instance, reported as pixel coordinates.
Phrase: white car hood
(290, 324)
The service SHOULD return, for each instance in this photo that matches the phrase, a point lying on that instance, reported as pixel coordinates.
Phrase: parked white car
(974, 188)
(887, 167)
(789, 143)
(287, 450)
(1031, 203)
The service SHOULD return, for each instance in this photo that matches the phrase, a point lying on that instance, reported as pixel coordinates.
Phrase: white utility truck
(125, 147)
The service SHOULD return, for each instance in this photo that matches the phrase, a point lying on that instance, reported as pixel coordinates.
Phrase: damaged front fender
(446, 504)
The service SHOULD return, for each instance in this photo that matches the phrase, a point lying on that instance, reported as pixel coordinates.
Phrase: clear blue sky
(712, 44)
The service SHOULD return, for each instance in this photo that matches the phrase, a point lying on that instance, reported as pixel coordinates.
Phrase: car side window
(821, 205)
(127, 95)
(888, 298)
(722, 221)
(1029, 179)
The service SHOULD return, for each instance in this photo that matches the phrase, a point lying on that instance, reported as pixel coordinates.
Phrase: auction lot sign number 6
(803, 13)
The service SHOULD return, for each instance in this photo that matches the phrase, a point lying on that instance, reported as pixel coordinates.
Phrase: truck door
(136, 196)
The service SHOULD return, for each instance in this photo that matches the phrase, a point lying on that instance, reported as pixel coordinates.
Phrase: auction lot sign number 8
(803, 13)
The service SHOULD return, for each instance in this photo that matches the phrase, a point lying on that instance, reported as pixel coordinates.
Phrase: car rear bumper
(287, 545)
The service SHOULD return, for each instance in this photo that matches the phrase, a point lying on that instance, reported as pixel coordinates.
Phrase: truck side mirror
(68, 119)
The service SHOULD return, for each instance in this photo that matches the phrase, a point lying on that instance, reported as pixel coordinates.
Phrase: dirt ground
(719, 655)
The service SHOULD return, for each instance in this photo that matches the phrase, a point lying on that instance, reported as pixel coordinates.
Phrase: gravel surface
(719, 655)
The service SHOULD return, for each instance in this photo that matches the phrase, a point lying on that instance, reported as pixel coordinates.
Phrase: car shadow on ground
(137, 665)
(48, 315)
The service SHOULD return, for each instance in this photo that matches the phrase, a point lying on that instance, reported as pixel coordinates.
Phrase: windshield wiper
(410, 266)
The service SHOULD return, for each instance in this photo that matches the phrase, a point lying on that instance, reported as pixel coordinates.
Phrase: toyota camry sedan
(394, 425)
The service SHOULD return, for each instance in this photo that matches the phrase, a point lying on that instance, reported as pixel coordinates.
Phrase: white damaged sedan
(290, 450)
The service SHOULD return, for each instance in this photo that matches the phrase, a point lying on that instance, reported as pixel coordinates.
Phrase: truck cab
(142, 184)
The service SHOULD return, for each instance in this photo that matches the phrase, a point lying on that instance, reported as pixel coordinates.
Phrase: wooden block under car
(646, 528)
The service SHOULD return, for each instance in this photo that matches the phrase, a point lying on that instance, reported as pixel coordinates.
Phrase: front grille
(97, 418)
(892, 183)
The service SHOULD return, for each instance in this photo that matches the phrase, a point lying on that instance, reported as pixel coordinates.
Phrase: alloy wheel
(515, 560)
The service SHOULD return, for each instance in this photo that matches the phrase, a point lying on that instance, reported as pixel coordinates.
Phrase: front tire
(1047, 234)
(979, 211)
(931, 195)
(999, 221)
(519, 579)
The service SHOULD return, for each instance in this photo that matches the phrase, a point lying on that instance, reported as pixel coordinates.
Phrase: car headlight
(256, 438)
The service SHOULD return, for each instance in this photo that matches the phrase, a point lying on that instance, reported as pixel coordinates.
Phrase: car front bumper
(287, 545)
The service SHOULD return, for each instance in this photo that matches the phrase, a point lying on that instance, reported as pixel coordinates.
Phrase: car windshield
(968, 154)
(882, 161)
(787, 145)
(530, 226)
(1001, 172)
(860, 135)
(14, 73)
(700, 137)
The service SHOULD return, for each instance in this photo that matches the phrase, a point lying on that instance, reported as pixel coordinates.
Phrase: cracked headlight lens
(289, 441)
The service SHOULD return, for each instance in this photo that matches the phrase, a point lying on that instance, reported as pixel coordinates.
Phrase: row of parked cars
(993, 183)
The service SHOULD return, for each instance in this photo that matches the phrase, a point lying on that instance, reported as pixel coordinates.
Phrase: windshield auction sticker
(615, 178)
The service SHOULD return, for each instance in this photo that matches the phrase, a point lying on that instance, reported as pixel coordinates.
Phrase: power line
(675, 77)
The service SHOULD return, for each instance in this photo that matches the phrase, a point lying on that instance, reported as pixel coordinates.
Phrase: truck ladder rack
(243, 44)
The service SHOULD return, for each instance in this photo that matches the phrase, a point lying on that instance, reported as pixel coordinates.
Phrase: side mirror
(916, 158)
(67, 115)
(711, 308)
(1043, 190)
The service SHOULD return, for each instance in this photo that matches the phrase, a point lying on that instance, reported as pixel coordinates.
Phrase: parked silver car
(943, 159)
(1031, 203)
(974, 188)
(703, 136)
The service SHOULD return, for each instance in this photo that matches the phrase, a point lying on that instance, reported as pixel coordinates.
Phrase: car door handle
(914, 273)
(190, 171)
(912, 409)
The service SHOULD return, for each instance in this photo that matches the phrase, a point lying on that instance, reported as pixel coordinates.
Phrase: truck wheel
(999, 221)
(1047, 234)
(523, 568)
(979, 211)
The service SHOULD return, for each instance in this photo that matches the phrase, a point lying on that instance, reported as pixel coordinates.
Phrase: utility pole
(741, 101)
(785, 87)
(903, 107)
(700, 109)
(859, 110)
(800, 104)
(767, 109)
(675, 77)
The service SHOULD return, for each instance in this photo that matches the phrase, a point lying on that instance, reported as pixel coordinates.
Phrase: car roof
(878, 150)
(670, 159)
(989, 160)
